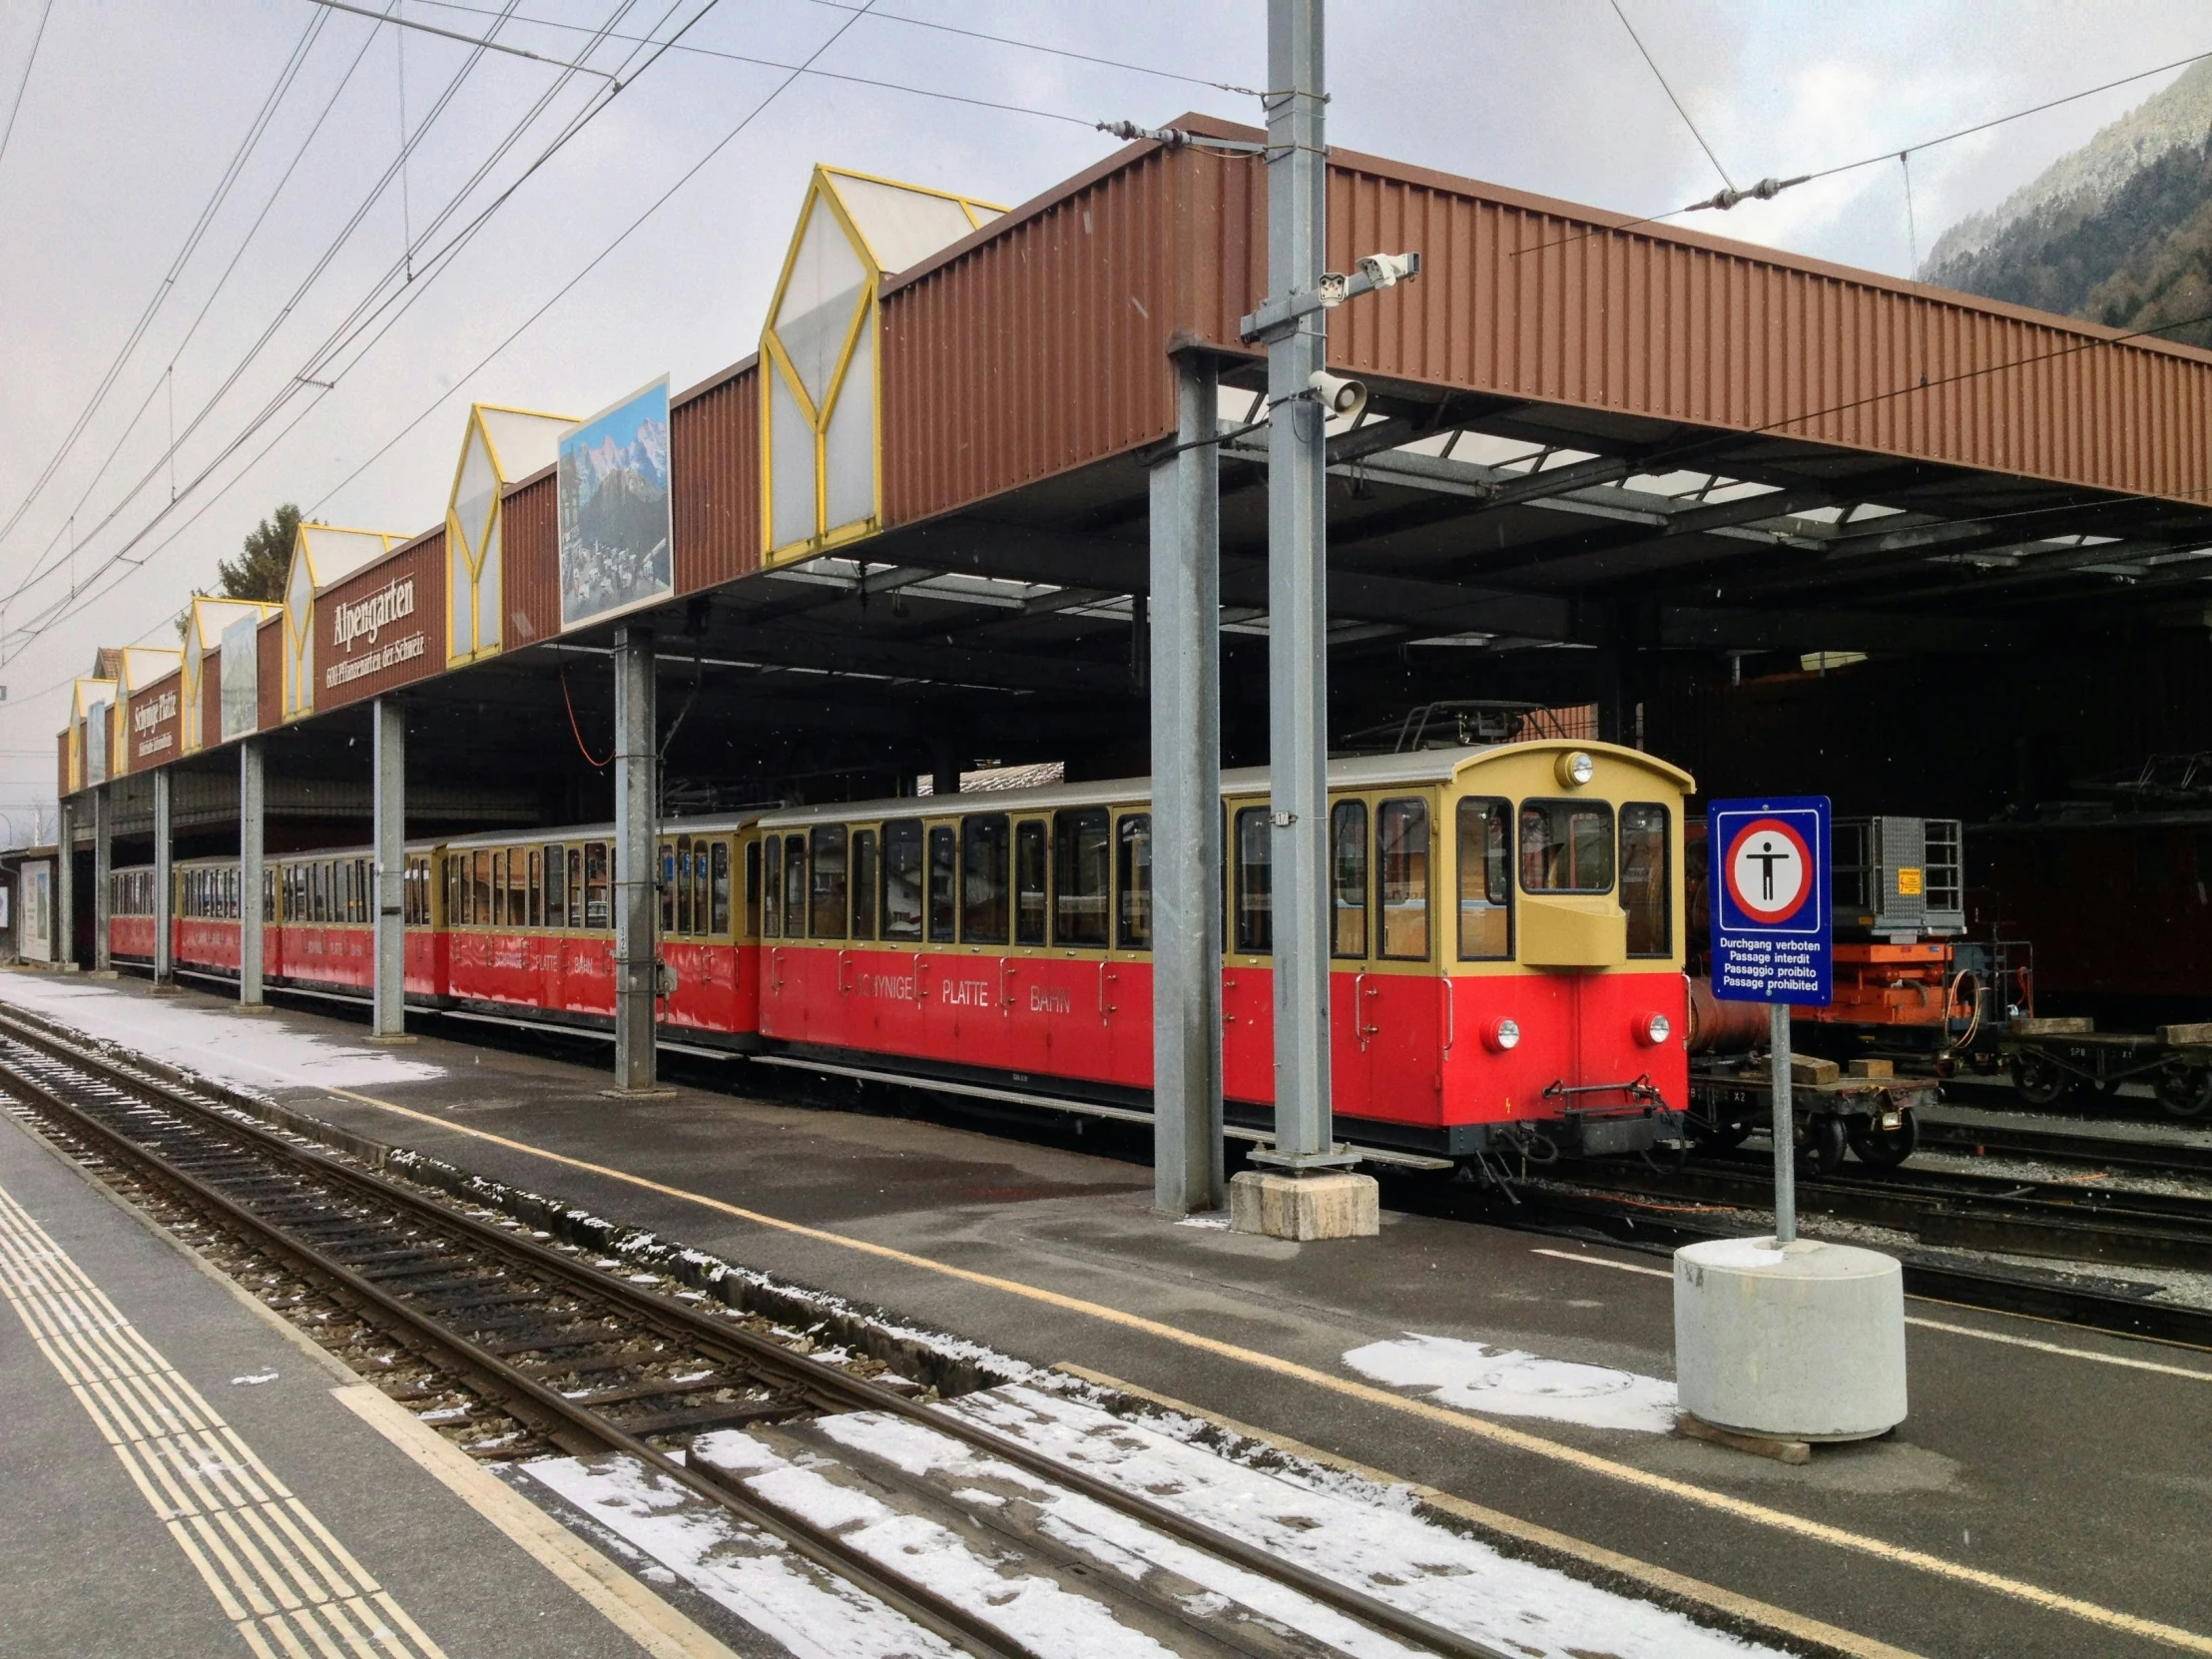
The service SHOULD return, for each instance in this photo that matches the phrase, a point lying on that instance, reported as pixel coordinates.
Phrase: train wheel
(1887, 1148)
(2185, 1091)
(2038, 1081)
(1821, 1153)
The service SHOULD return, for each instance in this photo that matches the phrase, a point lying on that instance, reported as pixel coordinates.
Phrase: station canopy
(912, 531)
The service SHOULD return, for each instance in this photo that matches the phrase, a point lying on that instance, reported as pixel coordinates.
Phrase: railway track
(2147, 1156)
(560, 1353)
(2063, 1220)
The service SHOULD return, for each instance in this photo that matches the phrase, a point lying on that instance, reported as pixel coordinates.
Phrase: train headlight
(1653, 1029)
(1576, 769)
(1501, 1035)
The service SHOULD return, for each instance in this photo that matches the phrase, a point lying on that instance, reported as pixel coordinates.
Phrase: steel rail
(811, 1378)
(575, 1427)
(2061, 1146)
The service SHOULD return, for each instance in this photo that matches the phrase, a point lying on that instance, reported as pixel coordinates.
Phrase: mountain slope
(2119, 232)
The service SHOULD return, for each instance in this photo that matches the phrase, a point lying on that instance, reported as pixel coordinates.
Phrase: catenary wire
(167, 286)
(940, 28)
(1888, 155)
(595, 260)
(306, 376)
(16, 108)
(70, 603)
(1666, 87)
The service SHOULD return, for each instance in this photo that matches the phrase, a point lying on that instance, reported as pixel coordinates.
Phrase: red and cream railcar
(528, 925)
(1504, 928)
(202, 926)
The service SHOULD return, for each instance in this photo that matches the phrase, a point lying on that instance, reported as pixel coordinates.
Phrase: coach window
(556, 889)
(527, 904)
(595, 884)
(685, 913)
(720, 915)
(1401, 876)
(943, 878)
(1644, 886)
(1566, 846)
(1348, 879)
(866, 876)
(795, 887)
(1133, 881)
(903, 880)
(771, 927)
(318, 902)
(985, 894)
(576, 887)
(827, 896)
(1485, 879)
(269, 895)
(702, 915)
(455, 910)
(479, 902)
(501, 915)
(1029, 882)
(753, 890)
(1082, 859)
(1255, 882)
(666, 889)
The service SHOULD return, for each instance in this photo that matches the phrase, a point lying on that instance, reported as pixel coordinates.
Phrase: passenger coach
(1505, 929)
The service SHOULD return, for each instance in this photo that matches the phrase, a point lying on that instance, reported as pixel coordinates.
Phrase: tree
(265, 561)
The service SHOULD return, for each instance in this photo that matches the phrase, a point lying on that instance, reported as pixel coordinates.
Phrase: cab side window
(1401, 876)
(1485, 879)
(1645, 888)
(1255, 882)
(903, 880)
(1348, 879)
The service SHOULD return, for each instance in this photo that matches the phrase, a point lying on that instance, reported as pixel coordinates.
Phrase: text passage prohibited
(1768, 870)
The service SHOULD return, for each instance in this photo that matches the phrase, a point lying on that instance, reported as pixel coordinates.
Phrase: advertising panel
(154, 718)
(96, 743)
(242, 690)
(617, 533)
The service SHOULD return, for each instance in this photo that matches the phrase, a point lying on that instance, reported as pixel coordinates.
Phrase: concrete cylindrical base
(1806, 1341)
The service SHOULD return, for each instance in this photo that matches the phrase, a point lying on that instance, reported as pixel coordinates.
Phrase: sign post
(1773, 940)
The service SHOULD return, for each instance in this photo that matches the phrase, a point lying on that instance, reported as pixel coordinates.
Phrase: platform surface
(2046, 1496)
(91, 1568)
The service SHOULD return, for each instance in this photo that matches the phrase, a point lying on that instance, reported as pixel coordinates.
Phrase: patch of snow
(1036, 1612)
(1207, 1218)
(250, 1054)
(813, 1613)
(1341, 1525)
(253, 1379)
(1508, 1383)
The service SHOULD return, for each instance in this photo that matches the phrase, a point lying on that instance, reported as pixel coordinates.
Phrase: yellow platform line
(1758, 1514)
(282, 1581)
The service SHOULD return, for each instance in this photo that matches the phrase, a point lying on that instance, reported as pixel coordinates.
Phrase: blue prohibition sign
(1768, 869)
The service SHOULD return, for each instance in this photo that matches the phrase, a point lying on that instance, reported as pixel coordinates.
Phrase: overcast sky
(135, 108)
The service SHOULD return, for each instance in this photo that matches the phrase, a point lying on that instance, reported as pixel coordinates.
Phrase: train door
(1027, 972)
(1068, 990)
(887, 982)
(1395, 1029)
(1247, 979)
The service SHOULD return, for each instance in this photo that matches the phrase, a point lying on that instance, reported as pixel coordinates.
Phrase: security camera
(1337, 396)
(1385, 270)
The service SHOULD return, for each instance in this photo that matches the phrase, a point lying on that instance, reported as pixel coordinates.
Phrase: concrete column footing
(165, 987)
(655, 1093)
(389, 1039)
(253, 1008)
(1332, 1204)
(103, 973)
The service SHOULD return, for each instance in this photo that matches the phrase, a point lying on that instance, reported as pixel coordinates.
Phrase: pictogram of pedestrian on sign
(1771, 925)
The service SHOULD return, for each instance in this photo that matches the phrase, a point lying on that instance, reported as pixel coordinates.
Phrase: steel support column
(65, 888)
(165, 884)
(253, 803)
(1298, 591)
(636, 861)
(102, 866)
(388, 835)
(1185, 673)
